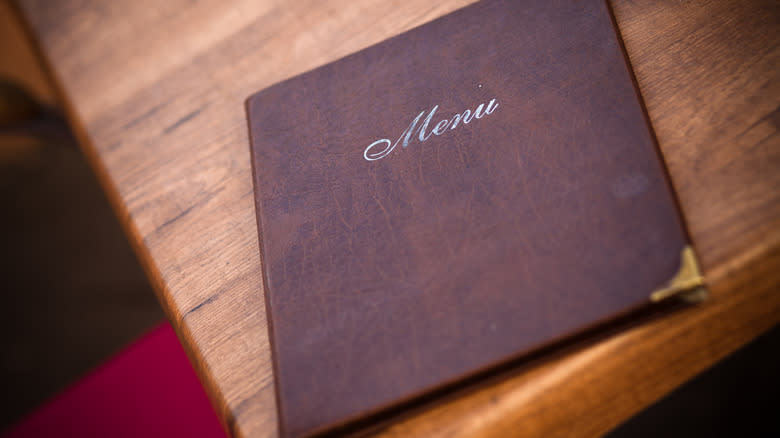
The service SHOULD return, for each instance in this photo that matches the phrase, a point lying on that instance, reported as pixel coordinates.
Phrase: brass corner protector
(688, 283)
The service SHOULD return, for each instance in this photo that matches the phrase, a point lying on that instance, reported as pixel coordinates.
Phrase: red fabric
(147, 390)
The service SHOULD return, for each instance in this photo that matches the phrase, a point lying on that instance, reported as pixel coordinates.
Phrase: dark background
(74, 293)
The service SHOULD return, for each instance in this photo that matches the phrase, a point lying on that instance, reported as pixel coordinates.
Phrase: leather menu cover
(451, 199)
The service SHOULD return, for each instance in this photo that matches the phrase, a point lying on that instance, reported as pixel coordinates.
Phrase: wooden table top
(156, 91)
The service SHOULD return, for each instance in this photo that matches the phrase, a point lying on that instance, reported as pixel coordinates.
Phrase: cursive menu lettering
(382, 147)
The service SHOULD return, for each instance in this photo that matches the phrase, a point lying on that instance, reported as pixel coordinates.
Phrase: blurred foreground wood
(156, 90)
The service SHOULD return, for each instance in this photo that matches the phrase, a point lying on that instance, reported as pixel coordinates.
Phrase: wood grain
(156, 90)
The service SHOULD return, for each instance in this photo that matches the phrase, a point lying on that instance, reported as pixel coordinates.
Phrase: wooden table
(156, 90)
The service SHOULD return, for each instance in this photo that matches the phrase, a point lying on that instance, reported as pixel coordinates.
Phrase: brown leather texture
(448, 248)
